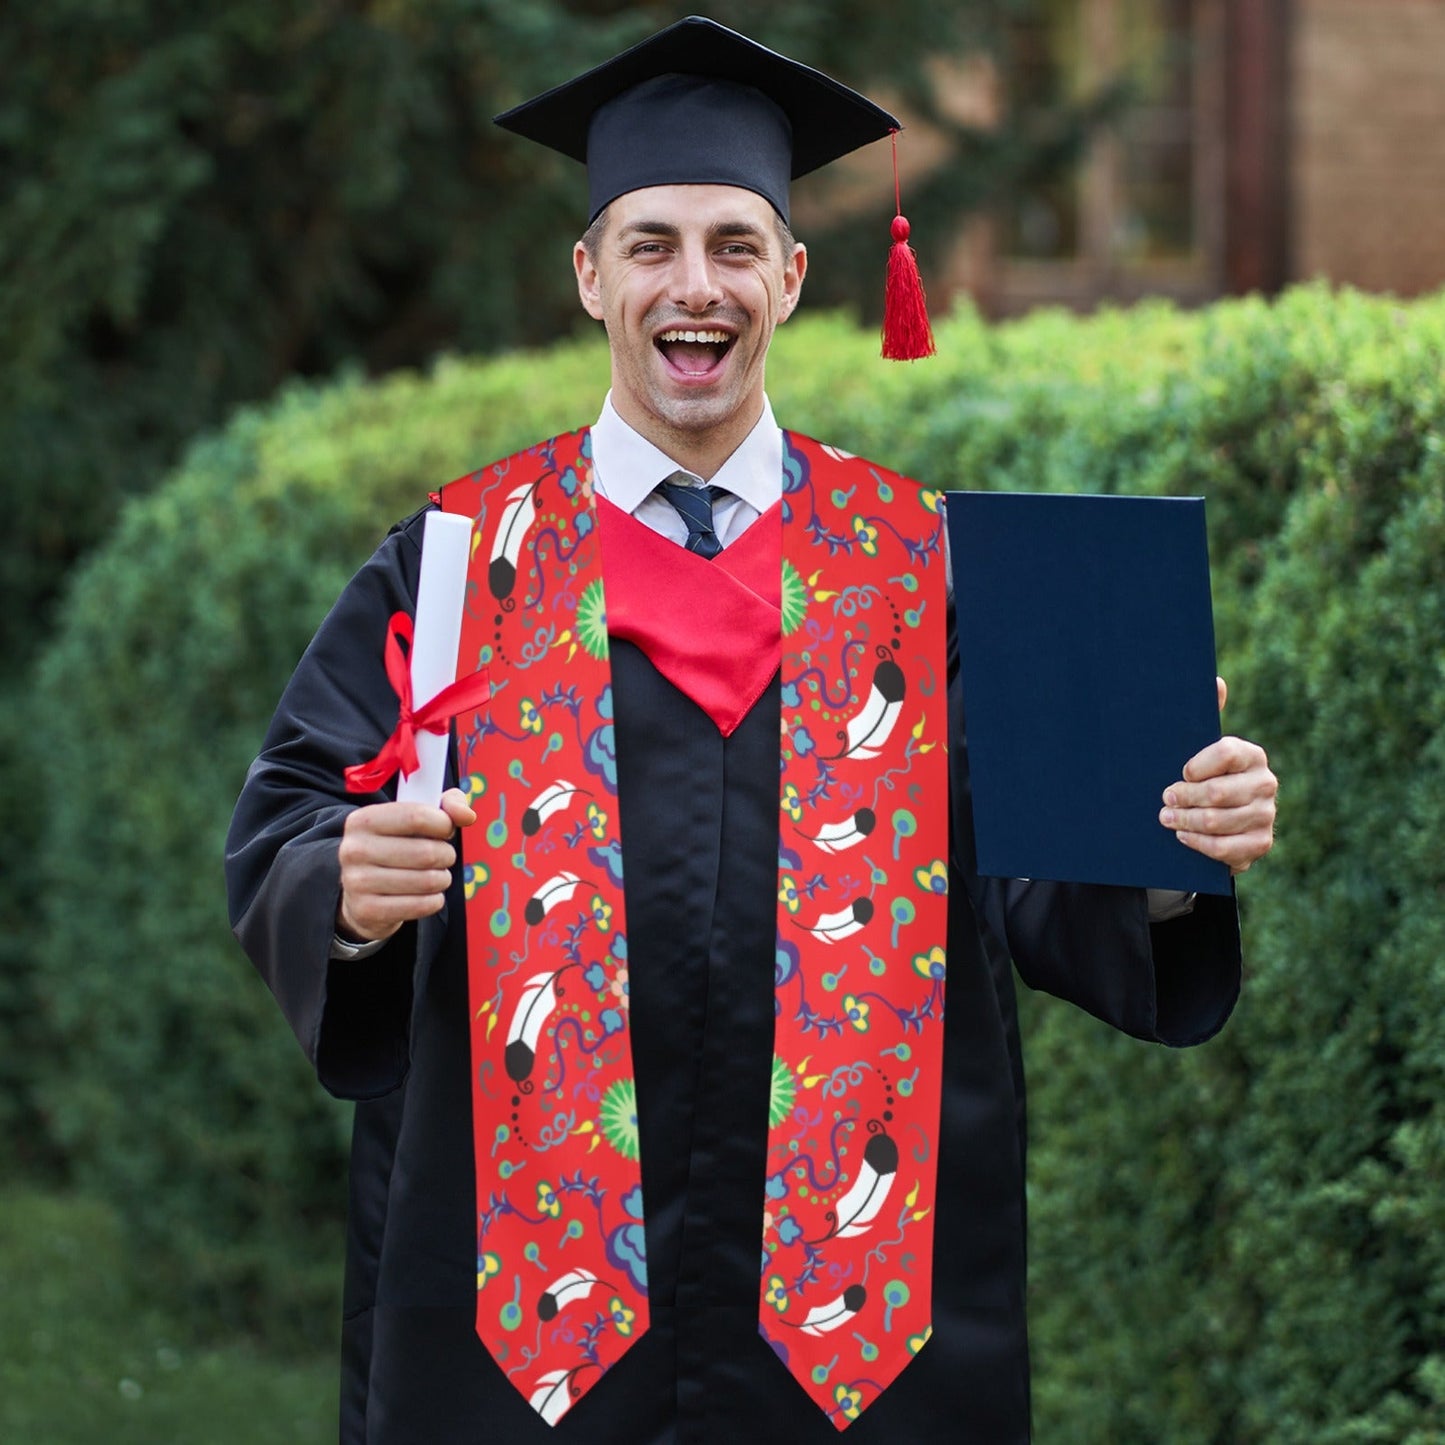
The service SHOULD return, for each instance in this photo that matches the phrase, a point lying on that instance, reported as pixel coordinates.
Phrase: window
(1143, 211)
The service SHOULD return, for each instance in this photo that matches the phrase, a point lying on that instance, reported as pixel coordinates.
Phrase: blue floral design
(785, 963)
(795, 470)
(600, 755)
(627, 1244)
(610, 858)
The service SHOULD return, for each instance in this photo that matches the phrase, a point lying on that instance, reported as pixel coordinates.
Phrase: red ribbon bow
(398, 753)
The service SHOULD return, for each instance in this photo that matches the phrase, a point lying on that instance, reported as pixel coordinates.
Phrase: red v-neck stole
(712, 628)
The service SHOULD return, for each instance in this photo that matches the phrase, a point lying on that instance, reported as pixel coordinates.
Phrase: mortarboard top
(699, 104)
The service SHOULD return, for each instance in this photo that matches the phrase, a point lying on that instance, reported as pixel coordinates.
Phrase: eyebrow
(720, 231)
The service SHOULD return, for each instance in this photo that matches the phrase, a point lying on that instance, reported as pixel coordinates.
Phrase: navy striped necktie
(694, 505)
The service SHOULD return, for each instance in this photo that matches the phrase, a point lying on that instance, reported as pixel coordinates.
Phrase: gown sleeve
(1093, 945)
(283, 874)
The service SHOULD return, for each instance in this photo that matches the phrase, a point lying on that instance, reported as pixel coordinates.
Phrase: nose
(696, 286)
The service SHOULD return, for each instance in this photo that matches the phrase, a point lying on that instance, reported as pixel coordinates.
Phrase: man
(747, 1044)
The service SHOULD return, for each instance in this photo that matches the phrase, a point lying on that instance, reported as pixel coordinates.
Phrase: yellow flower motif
(788, 894)
(792, 802)
(917, 1342)
(867, 536)
(930, 965)
(531, 718)
(547, 1200)
(934, 878)
(601, 913)
(596, 821)
(622, 1317)
(777, 1294)
(473, 876)
(849, 1401)
(487, 1265)
(857, 1012)
(931, 499)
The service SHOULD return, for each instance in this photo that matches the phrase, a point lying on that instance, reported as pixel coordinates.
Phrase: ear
(794, 270)
(589, 284)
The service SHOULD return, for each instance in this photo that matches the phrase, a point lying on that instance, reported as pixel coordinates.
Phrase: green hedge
(86, 1356)
(172, 1087)
(1244, 1244)
(1241, 1244)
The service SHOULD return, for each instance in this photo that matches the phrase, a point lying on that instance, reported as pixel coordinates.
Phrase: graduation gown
(700, 817)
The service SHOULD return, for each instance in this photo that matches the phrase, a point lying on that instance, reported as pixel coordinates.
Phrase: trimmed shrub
(1238, 1244)
(170, 1087)
(1242, 1244)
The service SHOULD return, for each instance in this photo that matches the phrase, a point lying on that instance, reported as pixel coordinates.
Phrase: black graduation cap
(700, 104)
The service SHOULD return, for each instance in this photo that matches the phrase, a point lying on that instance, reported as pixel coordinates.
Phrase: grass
(83, 1359)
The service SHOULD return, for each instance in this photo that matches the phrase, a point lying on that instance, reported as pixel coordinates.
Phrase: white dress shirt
(627, 468)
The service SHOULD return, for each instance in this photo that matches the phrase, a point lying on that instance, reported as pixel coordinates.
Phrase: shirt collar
(627, 467)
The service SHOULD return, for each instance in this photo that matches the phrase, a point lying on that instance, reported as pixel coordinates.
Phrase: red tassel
(907, 336)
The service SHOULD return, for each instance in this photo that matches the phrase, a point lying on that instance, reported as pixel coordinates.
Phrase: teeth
(719, 338)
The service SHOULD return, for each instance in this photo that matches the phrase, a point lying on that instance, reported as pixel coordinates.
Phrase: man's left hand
(1224, 805)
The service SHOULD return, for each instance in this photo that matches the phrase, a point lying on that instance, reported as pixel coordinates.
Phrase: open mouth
(694, 353)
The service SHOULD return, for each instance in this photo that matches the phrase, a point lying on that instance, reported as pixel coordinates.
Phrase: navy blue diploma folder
(1086, 650)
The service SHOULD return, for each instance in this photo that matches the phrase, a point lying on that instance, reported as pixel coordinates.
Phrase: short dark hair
(592, 236)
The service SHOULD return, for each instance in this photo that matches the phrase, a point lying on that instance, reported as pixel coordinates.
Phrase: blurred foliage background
(233, 243)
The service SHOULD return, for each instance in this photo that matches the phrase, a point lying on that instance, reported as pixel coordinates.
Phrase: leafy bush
(1244, 1244)
(171, 1089)
(86, 1356)
(1240, 1244)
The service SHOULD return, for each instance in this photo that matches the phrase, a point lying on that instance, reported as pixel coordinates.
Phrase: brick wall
(1367, 144)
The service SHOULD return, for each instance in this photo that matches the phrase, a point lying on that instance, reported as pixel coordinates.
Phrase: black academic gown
(699, 815)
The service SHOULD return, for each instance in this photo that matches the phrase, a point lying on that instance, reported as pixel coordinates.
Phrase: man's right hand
(396, 861)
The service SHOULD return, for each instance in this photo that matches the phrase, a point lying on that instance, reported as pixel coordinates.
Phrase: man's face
(690, 282)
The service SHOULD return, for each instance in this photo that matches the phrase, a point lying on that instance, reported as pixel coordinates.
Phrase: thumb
(454, 804)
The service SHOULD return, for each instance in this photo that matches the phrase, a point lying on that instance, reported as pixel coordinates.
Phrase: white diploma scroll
(445, 551)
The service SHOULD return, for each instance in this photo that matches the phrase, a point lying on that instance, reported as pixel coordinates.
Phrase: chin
(698, 415)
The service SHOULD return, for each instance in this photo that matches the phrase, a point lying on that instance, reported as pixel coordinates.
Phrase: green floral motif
(592, 619)
(795, 598)
(618, 1118)
(782, 1094)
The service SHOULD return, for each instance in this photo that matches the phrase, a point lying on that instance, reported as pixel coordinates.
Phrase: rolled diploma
(446, 546)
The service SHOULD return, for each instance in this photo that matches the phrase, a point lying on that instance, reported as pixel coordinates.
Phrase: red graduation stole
(853, 612)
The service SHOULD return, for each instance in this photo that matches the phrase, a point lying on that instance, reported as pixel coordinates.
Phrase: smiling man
(656, 264)
(664, 1131)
